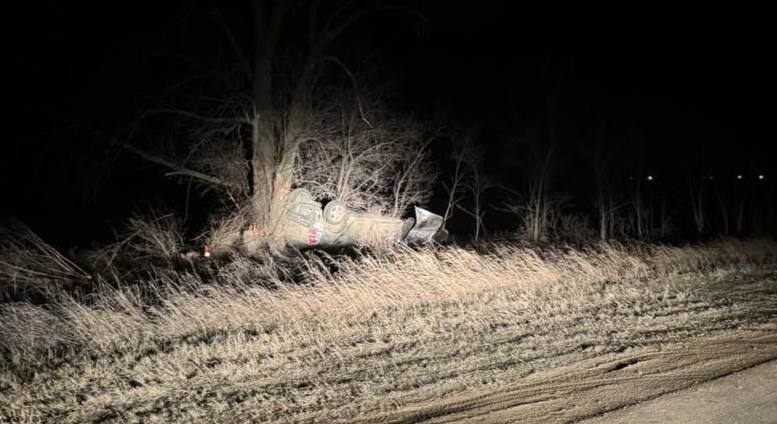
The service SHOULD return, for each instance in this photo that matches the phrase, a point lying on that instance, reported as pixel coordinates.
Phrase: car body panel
(306, 225)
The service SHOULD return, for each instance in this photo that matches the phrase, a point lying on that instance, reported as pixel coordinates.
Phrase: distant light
(650, 178)
(739, 176)
(760, 176)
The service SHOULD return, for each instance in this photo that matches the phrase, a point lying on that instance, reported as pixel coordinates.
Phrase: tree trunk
(604, 213)
(697, 207)
(268, 16)
(664, 220)
(741, 215)
(637, 204)
(723, 205)
(277, 133)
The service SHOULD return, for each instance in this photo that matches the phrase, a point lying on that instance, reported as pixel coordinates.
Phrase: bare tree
(638, 208)
(455, 187)
(601, 153)
(696, 191)
(539, 206)
(723, 207)
(249, 144)
(476, 184)
(740, 213)
(665, 218)
(606, 207)
(356, 152)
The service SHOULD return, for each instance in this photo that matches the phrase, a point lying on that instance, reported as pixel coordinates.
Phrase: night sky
(685, 91)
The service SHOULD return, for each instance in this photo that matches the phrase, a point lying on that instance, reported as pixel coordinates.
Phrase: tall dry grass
(27, 262)
(360, 334)
(148, 236)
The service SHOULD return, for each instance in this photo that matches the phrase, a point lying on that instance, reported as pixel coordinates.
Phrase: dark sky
(690, 84)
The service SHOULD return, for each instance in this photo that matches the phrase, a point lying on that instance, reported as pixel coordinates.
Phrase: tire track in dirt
(601, 384)
(748, 396)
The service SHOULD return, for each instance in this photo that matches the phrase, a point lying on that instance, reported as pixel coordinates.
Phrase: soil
(745, 397)
(591, 388)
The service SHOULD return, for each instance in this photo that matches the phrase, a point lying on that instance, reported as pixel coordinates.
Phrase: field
(503, 333)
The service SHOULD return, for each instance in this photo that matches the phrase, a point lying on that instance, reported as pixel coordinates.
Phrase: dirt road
(590, 388)
(746, 397)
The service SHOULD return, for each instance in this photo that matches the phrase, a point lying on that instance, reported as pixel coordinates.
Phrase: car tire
(335, 212)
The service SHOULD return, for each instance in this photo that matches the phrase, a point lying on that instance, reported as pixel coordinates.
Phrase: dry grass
(148, 236)
(383, 332)
(29, 263)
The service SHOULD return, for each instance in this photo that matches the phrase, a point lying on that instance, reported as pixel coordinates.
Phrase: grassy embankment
(383, 332)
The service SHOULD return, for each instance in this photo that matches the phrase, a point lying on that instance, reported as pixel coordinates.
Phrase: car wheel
(335, 212)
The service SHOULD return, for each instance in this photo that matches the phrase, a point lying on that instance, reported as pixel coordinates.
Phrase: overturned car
(306, 224)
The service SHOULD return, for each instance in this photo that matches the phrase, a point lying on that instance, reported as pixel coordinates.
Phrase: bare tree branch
(177, 169)
(245, 64)
(209, 119)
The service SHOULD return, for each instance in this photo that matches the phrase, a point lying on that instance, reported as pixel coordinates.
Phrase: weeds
(29, 263)
(362, 333)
